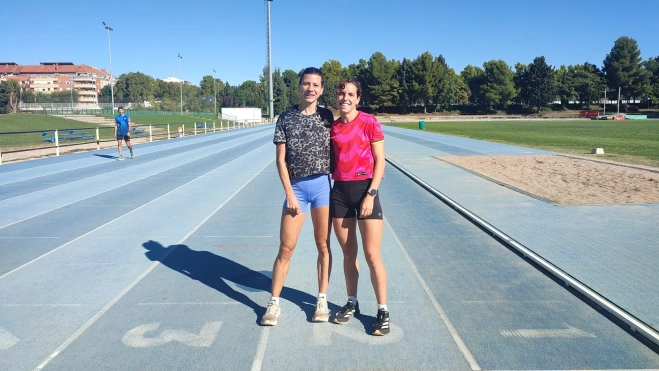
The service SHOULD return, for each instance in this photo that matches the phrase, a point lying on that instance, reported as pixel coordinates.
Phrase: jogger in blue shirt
(122, 132)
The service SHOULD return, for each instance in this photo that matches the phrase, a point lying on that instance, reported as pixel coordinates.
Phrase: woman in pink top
(358, 167)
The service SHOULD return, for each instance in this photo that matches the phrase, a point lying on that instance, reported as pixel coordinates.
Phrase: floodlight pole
(618, 101)
(270, 98)
(109, 52)
(180, 76)
(215, 89)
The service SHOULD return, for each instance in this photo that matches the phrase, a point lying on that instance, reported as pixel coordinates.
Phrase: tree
(381, 83)
(292, 81)
(425, 72)
(135, 87)
(10, 92)
(652, 67)
(279, 92)
(586, 82)
(623, 69)
(207, 86)
(541, 83)
(333, 71)
(521, 80)
(250, 95)
(564, 84)
(498, 88)
(406, 95)
(474, 77)
(452, 89)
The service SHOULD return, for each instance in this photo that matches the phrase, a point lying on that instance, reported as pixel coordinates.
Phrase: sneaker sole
(320, 318)
(269, 323)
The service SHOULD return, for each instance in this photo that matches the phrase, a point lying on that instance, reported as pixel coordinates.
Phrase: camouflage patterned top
(307, 141)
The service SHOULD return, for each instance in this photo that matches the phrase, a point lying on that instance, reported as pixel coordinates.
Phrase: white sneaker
(322, 311)
(121, 158)
(272, 311)
(132, 155)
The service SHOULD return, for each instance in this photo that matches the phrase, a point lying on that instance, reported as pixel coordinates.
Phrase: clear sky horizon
(230, 35)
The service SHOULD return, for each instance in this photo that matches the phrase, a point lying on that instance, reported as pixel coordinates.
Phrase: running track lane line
(438, 308)
(153, 266)
(99, 193)
(634, 323)
(111, 221)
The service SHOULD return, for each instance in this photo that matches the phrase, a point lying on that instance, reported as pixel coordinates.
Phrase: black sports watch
(373, 192)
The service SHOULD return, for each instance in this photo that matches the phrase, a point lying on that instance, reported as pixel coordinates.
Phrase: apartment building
(49, 77)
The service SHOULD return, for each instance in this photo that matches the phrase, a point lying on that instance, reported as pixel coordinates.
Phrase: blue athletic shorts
(314, 190)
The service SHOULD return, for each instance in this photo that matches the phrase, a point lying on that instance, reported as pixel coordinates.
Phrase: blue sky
(230, 35)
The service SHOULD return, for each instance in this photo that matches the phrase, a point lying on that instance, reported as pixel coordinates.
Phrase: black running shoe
(348, 311)
(381, 325)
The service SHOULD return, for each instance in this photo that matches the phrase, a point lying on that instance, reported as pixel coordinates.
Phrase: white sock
(353, 298)
(322, 296)
(275, 298)
(383, 306)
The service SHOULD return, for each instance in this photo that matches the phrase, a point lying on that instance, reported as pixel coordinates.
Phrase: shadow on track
(213, 270)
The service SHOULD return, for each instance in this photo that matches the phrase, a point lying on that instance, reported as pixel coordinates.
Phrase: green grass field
(635, 142)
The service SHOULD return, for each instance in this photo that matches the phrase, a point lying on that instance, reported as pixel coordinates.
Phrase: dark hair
(120, 107)
(349, 80)
(312, 71)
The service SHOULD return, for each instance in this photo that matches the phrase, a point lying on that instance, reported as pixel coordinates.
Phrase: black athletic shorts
(125, 138)
(346, 199)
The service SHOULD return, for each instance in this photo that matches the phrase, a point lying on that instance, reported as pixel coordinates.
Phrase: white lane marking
(39, 305)
(128, 237)
(37, 171)
(136, 337)
(510, 301)
(28, 238)
(570, 332)
(322, 334)
(196, 303)
(7, 340)
(153, 266)
(104, 191)
(238, 236)
(438, 308)
(260, 351)
(108, 223)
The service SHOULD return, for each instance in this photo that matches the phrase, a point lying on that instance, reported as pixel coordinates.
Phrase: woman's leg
(321, 230)
(346, 233)
(289, 231)
(371, 233)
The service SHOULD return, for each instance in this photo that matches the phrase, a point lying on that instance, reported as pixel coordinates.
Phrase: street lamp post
(215, 89)
(180, 76)
(270, 98)
(110, 52)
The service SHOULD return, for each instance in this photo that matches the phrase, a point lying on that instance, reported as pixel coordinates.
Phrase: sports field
(635, 142)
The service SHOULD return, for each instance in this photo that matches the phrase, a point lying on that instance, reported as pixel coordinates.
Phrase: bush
(630, 108)
(558, 107)
(545, 110)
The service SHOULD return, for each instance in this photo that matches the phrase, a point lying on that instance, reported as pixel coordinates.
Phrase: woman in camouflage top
(303, 163)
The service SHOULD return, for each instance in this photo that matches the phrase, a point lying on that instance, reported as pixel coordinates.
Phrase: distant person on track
(303, 163)
(358, 150)
(122, 132)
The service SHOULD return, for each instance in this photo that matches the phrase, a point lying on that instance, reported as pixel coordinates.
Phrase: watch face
(373, 192)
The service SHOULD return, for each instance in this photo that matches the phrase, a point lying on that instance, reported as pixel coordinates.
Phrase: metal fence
(55, 141)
